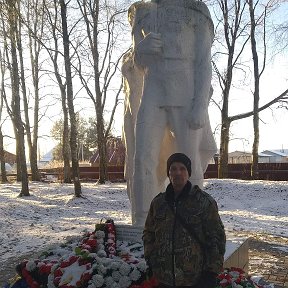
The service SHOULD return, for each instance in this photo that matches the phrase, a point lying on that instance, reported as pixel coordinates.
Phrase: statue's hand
(150, 44)
(197, 118)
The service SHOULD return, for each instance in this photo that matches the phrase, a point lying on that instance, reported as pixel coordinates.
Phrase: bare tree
(258, 72)
(96, 53)
(11, 7)
(2, 155)
(34, 19)
(69, 86)
(54, 54)
(237, 35)
(233, 26)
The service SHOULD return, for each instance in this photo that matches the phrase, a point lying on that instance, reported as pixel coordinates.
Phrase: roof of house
(240, 153)
(47, 157)
(275, 152)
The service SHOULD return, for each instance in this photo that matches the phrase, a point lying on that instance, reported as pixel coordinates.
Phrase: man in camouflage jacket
(184, 238)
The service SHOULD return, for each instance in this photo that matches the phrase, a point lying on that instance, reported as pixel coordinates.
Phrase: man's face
(178, 174)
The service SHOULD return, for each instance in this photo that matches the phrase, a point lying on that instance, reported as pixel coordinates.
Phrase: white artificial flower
(142, 266)
(116, 276)
(234, 274)
(109, 281)
(30, 266)
(50, 283)
(124, 269)
(110, 241)
(91, 285)
(125, 282)
(40, 264)
(101, 253)
(100, 247)
(102, 269)
(135, 275)
(124, 251)
(98, 280)
(54, 267)
(100, 241)
(223, 281)
(99, 234)
(92, 255)
(115, 265)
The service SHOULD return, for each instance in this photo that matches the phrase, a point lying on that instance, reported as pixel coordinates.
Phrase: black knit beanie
(179, 157)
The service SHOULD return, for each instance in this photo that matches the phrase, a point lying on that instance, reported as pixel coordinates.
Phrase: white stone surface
(168, 102)
(236, 254)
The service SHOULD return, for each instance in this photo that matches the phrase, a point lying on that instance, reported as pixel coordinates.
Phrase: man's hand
(208, 280)
(150, 44)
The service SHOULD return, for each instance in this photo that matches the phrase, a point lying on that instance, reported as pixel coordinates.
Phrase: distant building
(115, 153)
(9, 158)
(46, 158)
(274, 156)
(239, 157)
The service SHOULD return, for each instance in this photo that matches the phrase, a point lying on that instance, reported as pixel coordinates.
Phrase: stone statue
(171, 57)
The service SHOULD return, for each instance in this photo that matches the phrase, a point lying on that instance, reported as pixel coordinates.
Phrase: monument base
(236, 254)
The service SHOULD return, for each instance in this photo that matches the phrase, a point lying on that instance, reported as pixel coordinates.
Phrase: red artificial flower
(45, 269)
(238, 280)
(65, 264)
(92, 243)
(57, 280)
(241, 271)
(58, 273)
(86, 276)
(73, 259)
(87, 247)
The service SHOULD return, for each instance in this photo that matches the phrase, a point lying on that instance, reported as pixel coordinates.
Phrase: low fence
(90, 173)
(267, 171)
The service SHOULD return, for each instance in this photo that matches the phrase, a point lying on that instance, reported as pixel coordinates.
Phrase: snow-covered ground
(51, 213)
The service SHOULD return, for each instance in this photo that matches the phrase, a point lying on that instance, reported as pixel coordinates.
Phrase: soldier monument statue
(168, 86)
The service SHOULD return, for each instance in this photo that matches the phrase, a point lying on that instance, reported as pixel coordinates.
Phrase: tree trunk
(2, 160)
(224, 149)
(12, 15)
(101, 142)
(31, 143)
(65, 148)
(73, 125)
(254, 166)
(225, 125)
(54, 58)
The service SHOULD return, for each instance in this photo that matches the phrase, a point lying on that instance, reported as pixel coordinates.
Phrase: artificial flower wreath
(99, 261)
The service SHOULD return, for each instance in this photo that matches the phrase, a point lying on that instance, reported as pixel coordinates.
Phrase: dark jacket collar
(169, 193)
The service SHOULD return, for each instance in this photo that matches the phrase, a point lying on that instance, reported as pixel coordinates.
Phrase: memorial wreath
(97, 260)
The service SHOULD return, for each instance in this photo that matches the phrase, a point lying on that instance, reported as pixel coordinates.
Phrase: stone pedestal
(236, 247)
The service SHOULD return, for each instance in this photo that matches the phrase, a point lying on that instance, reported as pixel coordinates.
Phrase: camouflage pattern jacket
(179, 257)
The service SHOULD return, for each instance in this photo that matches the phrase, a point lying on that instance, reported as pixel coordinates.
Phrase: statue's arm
(198, 114)
(146, 43)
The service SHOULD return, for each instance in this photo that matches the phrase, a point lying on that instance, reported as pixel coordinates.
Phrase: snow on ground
(51, 214)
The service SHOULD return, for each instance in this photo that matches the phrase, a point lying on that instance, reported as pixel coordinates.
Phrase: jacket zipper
(173, 247)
